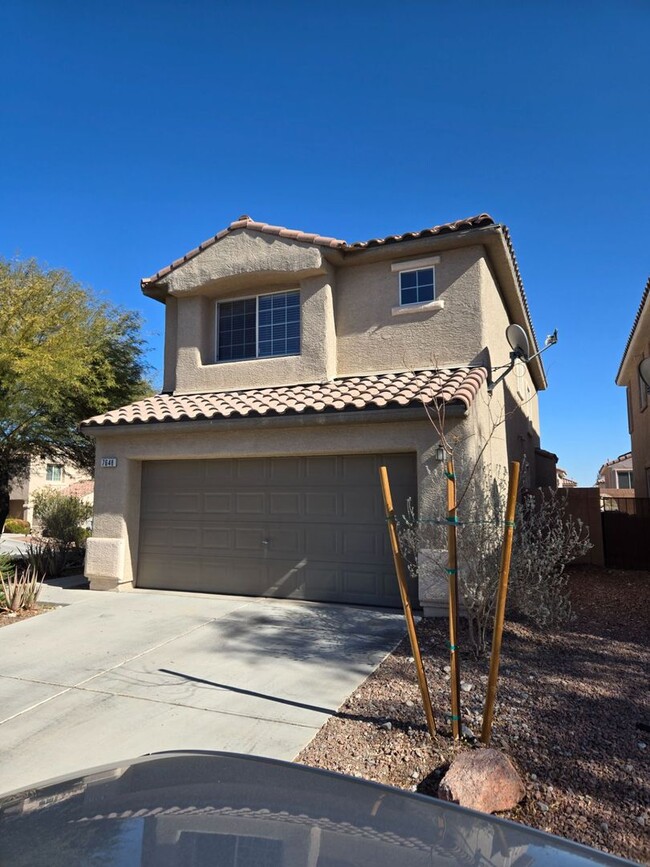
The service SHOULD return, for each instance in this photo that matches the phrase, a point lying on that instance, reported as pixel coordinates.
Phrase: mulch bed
(8, 619)
(572, 713)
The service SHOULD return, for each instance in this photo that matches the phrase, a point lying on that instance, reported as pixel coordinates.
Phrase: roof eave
(642, 312)
(502, 257)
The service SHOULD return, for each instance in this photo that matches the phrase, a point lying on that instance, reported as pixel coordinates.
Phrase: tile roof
(350, 393)
(245, 222)
(80, 489)
(644, 298)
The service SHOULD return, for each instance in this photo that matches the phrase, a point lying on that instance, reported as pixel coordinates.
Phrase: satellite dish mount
(518, 340)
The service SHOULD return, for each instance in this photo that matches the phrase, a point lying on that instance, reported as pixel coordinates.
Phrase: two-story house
(629, 376)
(294, 366)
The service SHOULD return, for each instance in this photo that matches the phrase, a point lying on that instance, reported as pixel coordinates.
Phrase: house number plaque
(108, 462)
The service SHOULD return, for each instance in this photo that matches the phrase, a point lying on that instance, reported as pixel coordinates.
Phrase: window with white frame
(53, 473)
(624, 479)
(259, 327)
(417, 286)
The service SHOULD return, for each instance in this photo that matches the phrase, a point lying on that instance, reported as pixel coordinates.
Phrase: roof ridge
(247, 222)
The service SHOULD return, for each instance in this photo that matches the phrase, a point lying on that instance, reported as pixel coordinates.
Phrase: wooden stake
(500, 613)
(452, 572)
(406, 604)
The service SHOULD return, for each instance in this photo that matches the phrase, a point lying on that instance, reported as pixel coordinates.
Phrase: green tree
(64, 355)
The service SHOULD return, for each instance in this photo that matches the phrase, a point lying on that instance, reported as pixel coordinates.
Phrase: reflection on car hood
(195, 809)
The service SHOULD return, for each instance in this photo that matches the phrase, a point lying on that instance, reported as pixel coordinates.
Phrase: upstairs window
(261, 327)
(624, 479)
(53, 473)
(416, 287)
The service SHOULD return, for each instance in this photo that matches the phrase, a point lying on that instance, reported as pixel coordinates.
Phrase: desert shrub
(19, 591)
(47, 557)
(61, 517)
(16, 525)
(546, 539)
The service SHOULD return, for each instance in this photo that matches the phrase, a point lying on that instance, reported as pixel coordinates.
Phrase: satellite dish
(644, 371)
(516, 337)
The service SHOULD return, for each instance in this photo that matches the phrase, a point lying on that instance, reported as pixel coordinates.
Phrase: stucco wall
(640, 437)
(112, 551)
(370, 337)
(24, 489)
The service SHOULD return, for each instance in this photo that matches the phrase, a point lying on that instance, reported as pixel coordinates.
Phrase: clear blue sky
(133, 131)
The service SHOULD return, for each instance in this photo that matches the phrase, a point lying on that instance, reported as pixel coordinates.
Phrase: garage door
(300, 528)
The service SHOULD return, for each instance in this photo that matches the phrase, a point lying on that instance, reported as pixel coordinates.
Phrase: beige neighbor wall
(25, 488)
(111, 560)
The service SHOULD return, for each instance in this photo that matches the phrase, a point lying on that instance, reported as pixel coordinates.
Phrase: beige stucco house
(294, 366)
(616, 477)
(56, 475)
(638, 394)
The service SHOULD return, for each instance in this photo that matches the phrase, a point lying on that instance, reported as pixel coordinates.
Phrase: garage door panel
(321, 470)
(217, 537)
(204, 524)
(186, 503)
(360, 542)
(217, 503)
(323, 541)
(186, 537)
(252, 471)
(322, 504)
(285, 503)
(250, 539)
(286, 471)
(284, 541)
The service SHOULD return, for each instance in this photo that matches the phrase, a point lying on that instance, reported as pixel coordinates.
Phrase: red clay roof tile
(411, 388)
(246, 222)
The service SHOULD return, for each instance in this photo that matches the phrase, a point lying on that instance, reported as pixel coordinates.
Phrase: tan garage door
(300, 528)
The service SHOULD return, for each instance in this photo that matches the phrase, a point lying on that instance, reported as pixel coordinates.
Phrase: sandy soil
(572, 713)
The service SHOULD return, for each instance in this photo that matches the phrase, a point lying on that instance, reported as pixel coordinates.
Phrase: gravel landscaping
(572, 713)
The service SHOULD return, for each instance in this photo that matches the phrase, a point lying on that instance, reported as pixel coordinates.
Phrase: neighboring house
(616, 478)
(563, 480)
(638, 393)
(294, 366)
(57, 475)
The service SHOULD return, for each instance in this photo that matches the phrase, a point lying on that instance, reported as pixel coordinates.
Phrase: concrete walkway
(111, 676)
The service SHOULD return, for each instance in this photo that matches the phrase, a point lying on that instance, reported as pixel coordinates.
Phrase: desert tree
(65, 354)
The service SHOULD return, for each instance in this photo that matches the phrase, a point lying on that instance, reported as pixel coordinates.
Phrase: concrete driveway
(113, 676)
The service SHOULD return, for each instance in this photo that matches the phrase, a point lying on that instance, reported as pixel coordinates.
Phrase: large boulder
(483, 780)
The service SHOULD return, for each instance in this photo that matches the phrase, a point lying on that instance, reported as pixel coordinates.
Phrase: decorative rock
(447, 669)
(387, 726)
(604, 827)
(542, 806)
(466, 732)
(483, 780)
(466, 687)
(642, 745)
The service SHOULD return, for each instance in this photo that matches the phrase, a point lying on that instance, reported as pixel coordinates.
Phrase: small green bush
(62, 517)
(16, 525)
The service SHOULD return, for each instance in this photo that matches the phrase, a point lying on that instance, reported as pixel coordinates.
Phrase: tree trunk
(5, 481)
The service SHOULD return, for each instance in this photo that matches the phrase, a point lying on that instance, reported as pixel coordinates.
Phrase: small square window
(53, 472)
(417, 287)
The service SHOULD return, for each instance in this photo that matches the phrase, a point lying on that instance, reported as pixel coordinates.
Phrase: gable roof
(635, 324)
(246, 222)
(345, 394)
(496, 239)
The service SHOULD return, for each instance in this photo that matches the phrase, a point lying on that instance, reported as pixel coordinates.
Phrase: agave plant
(20, 591)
